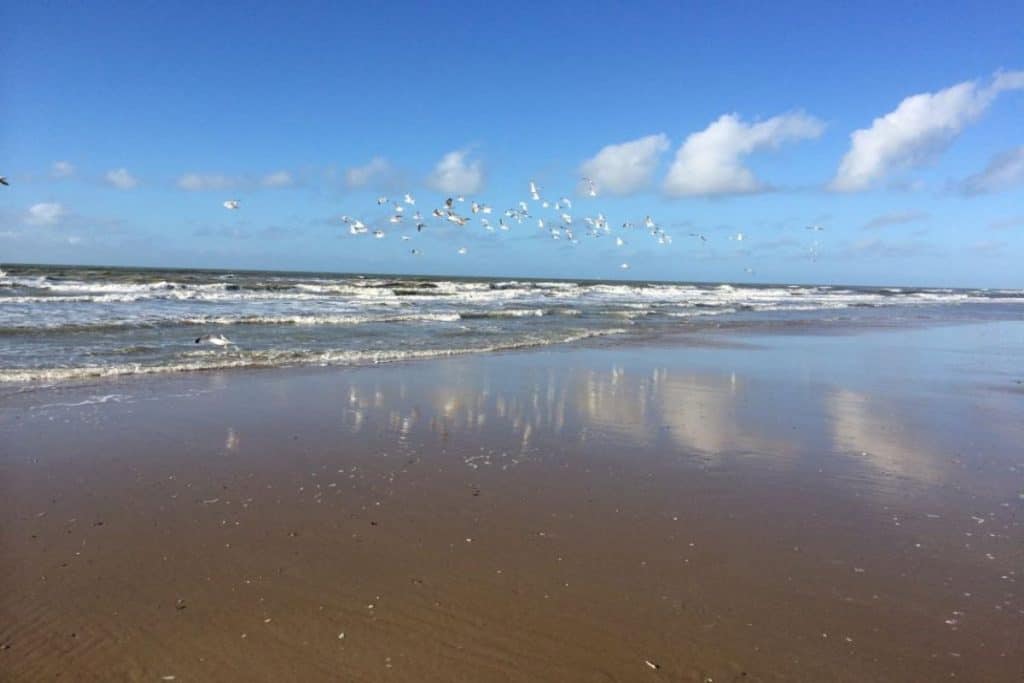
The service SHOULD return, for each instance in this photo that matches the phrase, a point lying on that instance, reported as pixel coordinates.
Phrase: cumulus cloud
(121, 179)
(62, 169)
(45, 213)
(278, 179)
(361, 176)
(626, 167)
(709, 162)
(895, 218)
(920, 128)
(1005, 171)
(454, 174)
(194, 182)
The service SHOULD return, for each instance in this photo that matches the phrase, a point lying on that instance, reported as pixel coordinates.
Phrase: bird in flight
(231, 204)
(3, 180)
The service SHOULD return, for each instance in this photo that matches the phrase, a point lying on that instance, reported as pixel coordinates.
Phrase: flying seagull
(231, 204)
(3, 180)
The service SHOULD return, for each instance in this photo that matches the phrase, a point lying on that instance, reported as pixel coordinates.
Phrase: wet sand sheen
(804, 508)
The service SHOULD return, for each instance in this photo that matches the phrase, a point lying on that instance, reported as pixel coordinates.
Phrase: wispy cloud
(895, 218)
(626, 167)
(62, 169)
(1007, 223)
(455, 174)
(121, 179)
(709, 162)
(45, 213)
(920, 128)
(987, 248)
(371, 173)
(196, 182)
(277, 179)
(1004, 172)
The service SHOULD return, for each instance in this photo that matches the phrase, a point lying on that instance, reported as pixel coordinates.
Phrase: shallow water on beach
(839, 507)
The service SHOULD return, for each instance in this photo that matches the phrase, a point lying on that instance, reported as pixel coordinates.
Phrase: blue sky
(126, 125)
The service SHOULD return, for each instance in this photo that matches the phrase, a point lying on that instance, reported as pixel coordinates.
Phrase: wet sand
(840, 507)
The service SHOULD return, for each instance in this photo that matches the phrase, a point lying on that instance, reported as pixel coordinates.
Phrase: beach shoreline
(778, 507)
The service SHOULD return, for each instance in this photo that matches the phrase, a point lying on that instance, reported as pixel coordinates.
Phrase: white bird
(408, 199)
(231, 204)
(397, 218)
(357, 228)
(501, 224)
(649, 222)
(460, 198)
(399, 208)
(457, 219)
(382, 200)
(462, 250)
(624, 266)
(534, 192)
(379, 234)
(406, 238)
(214, 339)
(591, 187)
(566, 202)
(474, 207)
(566, 218)
(619, 242)
(540, 223)
(414, 252)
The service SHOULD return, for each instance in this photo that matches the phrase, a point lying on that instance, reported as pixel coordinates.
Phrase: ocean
(65, 323)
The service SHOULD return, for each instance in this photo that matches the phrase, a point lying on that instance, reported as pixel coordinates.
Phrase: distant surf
(65, 323)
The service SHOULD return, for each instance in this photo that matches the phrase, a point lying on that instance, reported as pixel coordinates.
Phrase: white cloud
(45, 213)
(916, 131)
(454, 175)
(709, 162)
(627, 167)
(278, 179)
(121, 179)
(361, 176)
(196, 182)
(1006, 170)
(62, 169)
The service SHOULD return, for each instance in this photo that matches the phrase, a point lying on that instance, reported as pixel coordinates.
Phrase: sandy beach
(841, 507)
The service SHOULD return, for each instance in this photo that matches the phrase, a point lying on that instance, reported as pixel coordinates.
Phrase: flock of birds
(553, 217)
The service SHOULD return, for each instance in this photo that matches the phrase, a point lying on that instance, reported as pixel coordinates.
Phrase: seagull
(462, 250)
(397, 218)
(649, 222)
(229, 204)
(438, 213)
(619, 242)
(534, 192)
(420, 226)
(697, 234)
(379, 234)
(566, 202)
(457, 219)
(406, 238)
(3, 180)
(501, 224)
(624, 266)
(382, 200)
(357, 228)
(214, 339)
(399, 208)
(414, 252)
(409, 199)
(738, 237)
(816, 228)
(449, 203)
(591, 188)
